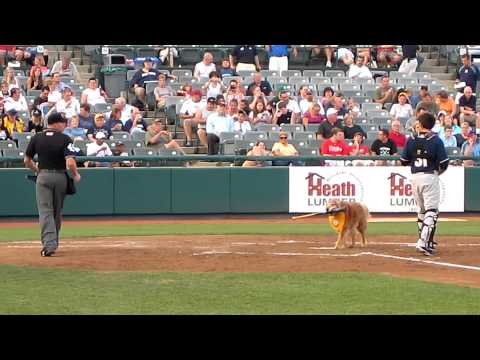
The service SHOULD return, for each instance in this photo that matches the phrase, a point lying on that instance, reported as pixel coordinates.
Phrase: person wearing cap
(93, 94)
(264, 85)
(204, 67)
(282, 114)
(16, 101)
(468, 108)
(98, 148)
(416, 99)
(12, 123)
(121, 150)
(471, 147)
(35, 125)
(74, 130)
(326, 127)
(188, 114)
(359, 70)
(136, 123)
(65, 67)
(157, 136)
(98, 126)
(201, 117)
(403, 108)
(385, 93)
(68, 104)
(217, 123)
(56, 153)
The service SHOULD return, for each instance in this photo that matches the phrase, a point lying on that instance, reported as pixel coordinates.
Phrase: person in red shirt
(359, 148)
(396, 136)
(335, 146)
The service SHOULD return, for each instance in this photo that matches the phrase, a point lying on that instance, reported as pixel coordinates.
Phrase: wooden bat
(305, 216)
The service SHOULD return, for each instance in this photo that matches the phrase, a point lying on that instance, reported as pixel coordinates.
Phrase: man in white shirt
(99, 149)
(308, 101)
(242, 124)
(66, 67)
(201, 117)
(359, 69)
(125, 108)
(93, 95)
(16, 101)
(68, 104)
(188, 114)
(204, 67)
(217, 123)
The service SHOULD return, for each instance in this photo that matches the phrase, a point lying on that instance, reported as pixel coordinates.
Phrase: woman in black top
(35, 125)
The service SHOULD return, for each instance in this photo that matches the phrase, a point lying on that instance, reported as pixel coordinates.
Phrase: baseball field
(238, 265)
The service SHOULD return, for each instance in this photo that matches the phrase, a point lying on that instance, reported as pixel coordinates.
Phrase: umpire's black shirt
(52, 148)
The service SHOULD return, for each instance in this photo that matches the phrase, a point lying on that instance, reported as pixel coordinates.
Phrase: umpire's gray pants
(51, 187)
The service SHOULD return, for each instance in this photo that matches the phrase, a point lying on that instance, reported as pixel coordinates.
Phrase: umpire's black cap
(56, 118)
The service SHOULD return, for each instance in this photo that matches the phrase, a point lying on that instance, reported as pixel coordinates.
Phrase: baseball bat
(304, 216)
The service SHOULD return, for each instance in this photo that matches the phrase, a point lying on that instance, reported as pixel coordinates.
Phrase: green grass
(469, 228)
(27, 290)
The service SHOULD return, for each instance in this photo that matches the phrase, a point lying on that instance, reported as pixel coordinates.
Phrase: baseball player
(426, 154)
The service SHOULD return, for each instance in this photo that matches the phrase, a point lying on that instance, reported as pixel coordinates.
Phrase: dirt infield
(455, 262)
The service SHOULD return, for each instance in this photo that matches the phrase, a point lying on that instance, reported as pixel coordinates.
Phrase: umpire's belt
(52, 170)
(426, 172)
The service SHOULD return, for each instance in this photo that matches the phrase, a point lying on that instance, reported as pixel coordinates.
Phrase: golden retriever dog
(349, 219)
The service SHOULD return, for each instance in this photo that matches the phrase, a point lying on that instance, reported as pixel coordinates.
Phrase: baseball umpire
(426, 154)
(55, 152)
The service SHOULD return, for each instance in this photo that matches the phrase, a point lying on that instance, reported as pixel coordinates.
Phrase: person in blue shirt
(468, 73)
(226, 70)
(427, 157)
(279, 57)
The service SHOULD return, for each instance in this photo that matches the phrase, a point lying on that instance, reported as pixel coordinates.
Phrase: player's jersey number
(420, 162)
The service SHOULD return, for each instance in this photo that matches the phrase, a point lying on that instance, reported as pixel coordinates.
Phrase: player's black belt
(53, 170)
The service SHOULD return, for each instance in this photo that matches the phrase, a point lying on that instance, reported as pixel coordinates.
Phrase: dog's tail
(367, 212)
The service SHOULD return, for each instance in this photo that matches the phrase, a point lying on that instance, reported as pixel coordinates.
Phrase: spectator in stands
(35, 125)
(350, 129)
(463, 136)
(264, 85)
(204, 67)
(283, 115)
(326, 127)
(409, 63)
(283, 148)
(4, 89)
(383, 146)
(11, 79)
(232, 108)
(345, 56)
(98, 126)
(39, 63)
(243, 105)
(447, 121)
(3, 130)
(66, 67)
(147, 73)
(396, 134)
(302, 92)
(321, 51)
(242, 124)
(313, 115)
(185, 90)
(385, 93)
(162, 91)
(327, 97)
(25, 57)
(75, 131)
(68, 104)
(337, 102)
(471, 147)
(260, 115)
(353, 107)
(416, 99)
(258, 150)
(335, 146)
(98, 148)
(403, 108)
(387, 56)
(410, 128)
(278, 57)
(449, 140)
(359, 70)
(202, 115)
(114, 123)
(217, 123)
(136, 122)
(468, 108)
(12, 123)
(359, 148)
(292, 105)
(121, 150)
(35, 80)
(56, 87)
(126, 109)
(158, 136)
(226, 69)
(84, 117)
(93, 95)
(245, 58)
(428, 104)
(308, 101)
(167, 55)
(4, 53)
(234, 91)
(187, 114)
(42, 98)
(445, 102)
(214, 85)
(16, 101)
(469, 74)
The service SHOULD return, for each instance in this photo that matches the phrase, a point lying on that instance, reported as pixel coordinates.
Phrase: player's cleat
(422, 248)
(45, 253)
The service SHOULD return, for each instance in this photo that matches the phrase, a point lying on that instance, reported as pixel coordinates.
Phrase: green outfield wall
(123, 191)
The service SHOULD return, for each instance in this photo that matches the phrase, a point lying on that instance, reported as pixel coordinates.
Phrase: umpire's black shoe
(45, 253)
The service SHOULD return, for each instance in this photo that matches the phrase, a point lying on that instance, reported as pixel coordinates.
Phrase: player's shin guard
(428, 227)
(420, 218)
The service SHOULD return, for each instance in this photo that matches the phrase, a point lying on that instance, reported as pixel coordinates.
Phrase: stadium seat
(25, 136)
(334, 73)
(362, 99)
(244, 144)
(34, 93)
(341, 80)
(245, 73)
(306, 151)
(275, 135)
(267, 127)
(380, 121)
(313, 73)
(7, 144)
(270, 73)
(218, 54)
(18, 153)
(189, 57)
(146, 52)
(376, 113)
(304, 135)
(372, 135)
(262, 57)
(453, 150)
(291, 73)
(299, 144)
(312, 127)
(102, 108)
(145, 152)
(120, 135)
(315, 143)
(352, 93)
(369, 87)
(299, 80)
(421, 75)
(255, 135)
(292, 127)
(300, 60)
(138, 136)
(320, 80)
(129, 52)
(230, 136)
(366, 107)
